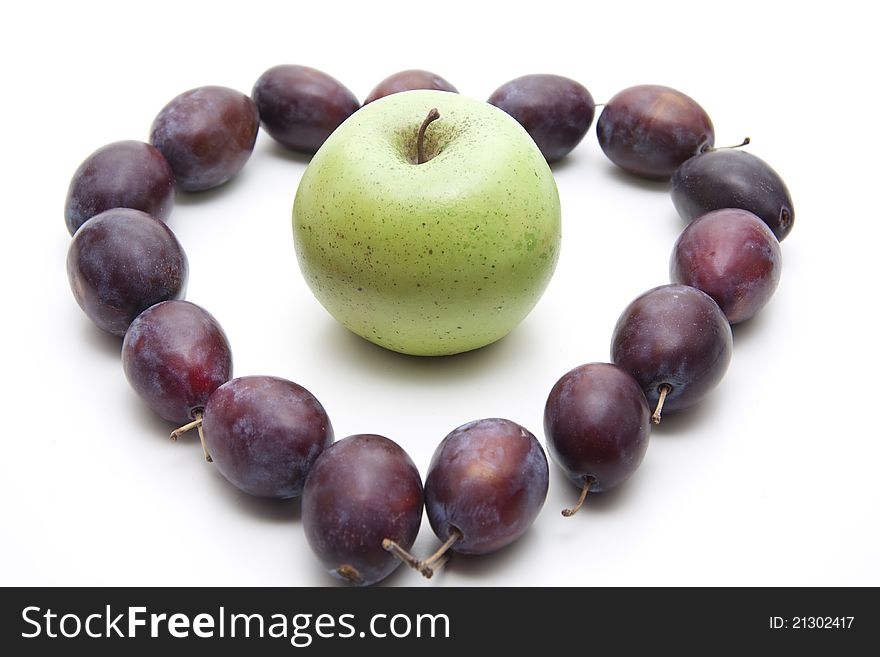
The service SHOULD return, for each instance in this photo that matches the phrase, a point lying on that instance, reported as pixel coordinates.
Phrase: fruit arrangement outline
(363, 498)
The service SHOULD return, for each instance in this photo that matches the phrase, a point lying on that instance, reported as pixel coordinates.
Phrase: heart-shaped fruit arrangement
(429, 223)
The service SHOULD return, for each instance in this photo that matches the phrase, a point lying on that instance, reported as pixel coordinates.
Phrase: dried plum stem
(664, 390)
(745, 142)
(398, 551)
(568, 513)
(202, 440)
(179, 431)
(429, 566)
(189, 426)
(433, 115)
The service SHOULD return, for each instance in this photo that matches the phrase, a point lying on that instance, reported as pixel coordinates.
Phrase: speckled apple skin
(435, 258)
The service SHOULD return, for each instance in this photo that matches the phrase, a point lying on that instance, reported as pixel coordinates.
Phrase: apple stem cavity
(433, 115)
(568, 513)
(189, 426)
(664, 390)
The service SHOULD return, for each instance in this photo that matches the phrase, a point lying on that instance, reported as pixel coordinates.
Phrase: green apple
(433, 258)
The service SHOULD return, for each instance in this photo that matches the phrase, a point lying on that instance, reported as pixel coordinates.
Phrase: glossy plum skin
(360, 491)
(300, 106)
(264, 433)
(488, 480)
(729, 178)
(674, 335)
(408, 81)
(120, 263)
(124, 174)
(175, 355)
(207, 135)
(732, 256)
(649, 130)
(556, 111)
(597, 424)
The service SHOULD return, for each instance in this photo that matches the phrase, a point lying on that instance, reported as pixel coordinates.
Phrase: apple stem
(429, 566)
(189, 426)
(568, 513)
(433, 115)
(745, 142)
(664, 390)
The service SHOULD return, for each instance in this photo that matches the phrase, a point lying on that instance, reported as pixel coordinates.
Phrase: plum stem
(189, 426)
(179, 431)
(429, 566)
(745, 142)
(568, 513)
(433, 115)
(664, 390)
(398, 551)
(202, 440)
(349, 573)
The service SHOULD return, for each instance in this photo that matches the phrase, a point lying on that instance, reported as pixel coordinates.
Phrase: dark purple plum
(264, 433)
(486, 484)
(300, 106)
(207, 135)
(556, 111)
(124, 174)
(728, 178)
(120, 263)
(361, 491)
(175, 355)
(673, 339)
(409, 81)
(597, 424)
(649, 130)
(732, 256)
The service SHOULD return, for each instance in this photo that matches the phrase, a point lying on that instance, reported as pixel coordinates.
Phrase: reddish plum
(264, 433)
(597, 424)
(649, 130)
(409, 81)
(175, 355)
(120, 263)
(300, 106)
(486, 484)
(124, 174)
(732, 256)
(675, 341)
(207, 135)
(556, 111)
(361, 491)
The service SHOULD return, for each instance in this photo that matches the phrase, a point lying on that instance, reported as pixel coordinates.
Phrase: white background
(773, 480)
